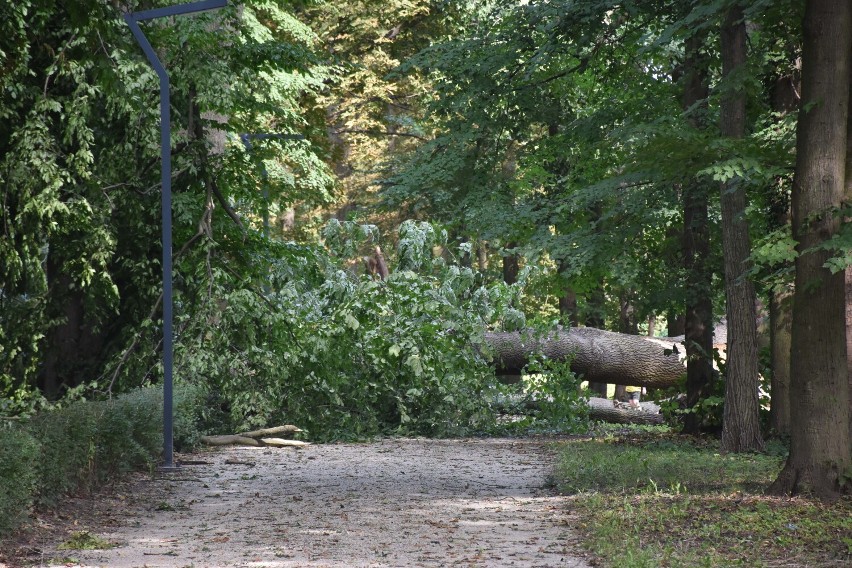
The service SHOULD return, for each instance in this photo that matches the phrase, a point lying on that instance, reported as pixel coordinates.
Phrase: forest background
(466, 166)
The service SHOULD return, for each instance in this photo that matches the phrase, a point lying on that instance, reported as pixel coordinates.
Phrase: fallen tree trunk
(598, 355)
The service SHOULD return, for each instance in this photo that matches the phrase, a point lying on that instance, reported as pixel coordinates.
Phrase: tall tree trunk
(820, 451)
(698, 325)
(482, 256)
(849, 341)
(849, 269)
(741, 423)
(785, 99)
(652, 325)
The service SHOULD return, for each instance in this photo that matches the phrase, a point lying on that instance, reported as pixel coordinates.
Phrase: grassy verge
(650, 499)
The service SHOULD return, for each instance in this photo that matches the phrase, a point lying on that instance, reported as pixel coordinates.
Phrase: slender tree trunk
(849, 341)
(785, 99)
(652, 325)
(741, 424)
(482, 256)
(820, 451)
(780, 318)
(848, 277)
(698, 325)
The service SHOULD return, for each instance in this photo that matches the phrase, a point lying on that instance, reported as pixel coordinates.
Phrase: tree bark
(820, 451)
(741, 423)
(848, 276)
(482, 256)
(698, 323)
(598, 355)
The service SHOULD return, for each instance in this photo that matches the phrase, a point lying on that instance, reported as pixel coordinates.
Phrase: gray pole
(133, 20)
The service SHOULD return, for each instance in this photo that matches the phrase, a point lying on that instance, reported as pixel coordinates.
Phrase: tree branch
(379, 133)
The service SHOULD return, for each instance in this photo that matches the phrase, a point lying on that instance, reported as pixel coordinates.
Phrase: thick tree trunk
(741, 424)
(696, 249)
(600, 356)
(820, 451)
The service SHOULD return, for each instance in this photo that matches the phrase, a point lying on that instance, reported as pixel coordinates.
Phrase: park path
(394, 502)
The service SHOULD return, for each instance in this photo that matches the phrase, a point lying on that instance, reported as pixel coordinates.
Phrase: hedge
(84, 444)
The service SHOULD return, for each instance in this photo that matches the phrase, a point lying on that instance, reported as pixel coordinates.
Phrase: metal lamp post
(133, 20)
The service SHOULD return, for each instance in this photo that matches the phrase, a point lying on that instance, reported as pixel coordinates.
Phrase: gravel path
(397, 502)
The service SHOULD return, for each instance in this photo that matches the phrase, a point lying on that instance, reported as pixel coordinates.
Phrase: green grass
(84, 540)
(655, 499)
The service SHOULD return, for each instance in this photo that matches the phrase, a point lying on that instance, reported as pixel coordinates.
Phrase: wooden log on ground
(598, 355)
(229, 440)
(282, 443)
(286, 429)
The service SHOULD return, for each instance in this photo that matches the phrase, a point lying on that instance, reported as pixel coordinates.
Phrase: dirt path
(409, 502)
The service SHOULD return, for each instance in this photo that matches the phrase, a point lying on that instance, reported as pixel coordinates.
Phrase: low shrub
(19, 455)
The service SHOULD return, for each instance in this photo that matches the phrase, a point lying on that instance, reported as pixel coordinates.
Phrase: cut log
(229, 440)
(598, 355)
(286, 429)
(282, 443)
(245, 440)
